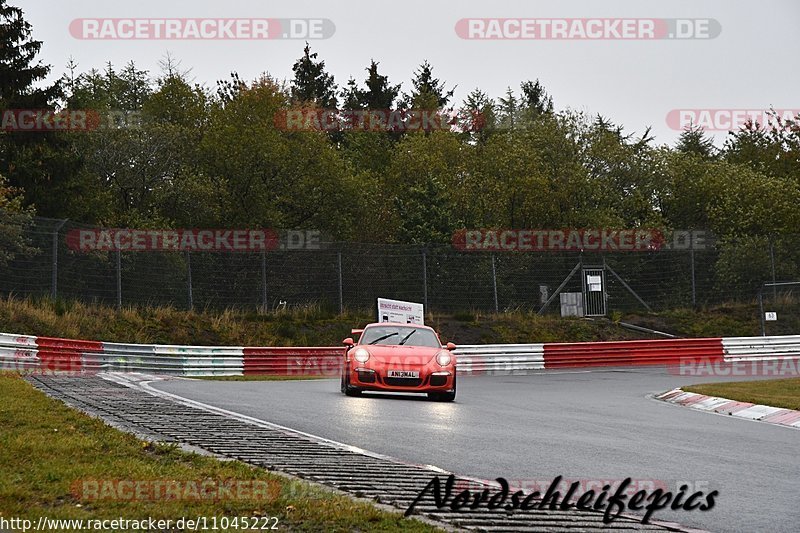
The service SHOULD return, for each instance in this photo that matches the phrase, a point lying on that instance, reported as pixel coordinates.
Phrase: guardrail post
(341, 296)
(54, 284)
(494, 285)
(189, 278)
(425, 278)
(119, 279)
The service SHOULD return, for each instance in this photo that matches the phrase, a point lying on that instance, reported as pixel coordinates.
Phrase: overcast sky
(751, 64)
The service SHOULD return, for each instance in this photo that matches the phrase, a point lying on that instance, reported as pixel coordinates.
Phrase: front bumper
(439, 380)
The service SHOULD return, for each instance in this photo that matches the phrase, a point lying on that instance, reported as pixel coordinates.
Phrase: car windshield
(400, 336)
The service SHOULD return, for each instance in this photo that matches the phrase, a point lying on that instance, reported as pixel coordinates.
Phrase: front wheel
(444, 396)
(347, 389)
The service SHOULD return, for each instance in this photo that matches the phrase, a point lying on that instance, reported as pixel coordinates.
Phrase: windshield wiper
(402, 342)
(379, 339)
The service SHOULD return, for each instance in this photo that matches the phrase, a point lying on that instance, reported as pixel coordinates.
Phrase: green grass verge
(774, 392)
(724, 320)
(310, 326)
(46, 447)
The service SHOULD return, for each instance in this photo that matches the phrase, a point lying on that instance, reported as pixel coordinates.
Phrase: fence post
(494, 285)
(425, 278)
(341, 296)
(263, 281)
(54, 283)
(189, 278)
(772, 262)
(119, 279)
(694, 285)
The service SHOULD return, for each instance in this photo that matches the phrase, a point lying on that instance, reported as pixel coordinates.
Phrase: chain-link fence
(340, 275)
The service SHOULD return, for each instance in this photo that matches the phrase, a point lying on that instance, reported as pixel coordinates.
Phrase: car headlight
(361, 355)
(444, 358)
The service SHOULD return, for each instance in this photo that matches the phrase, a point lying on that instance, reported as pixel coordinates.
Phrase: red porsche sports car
(394, 357)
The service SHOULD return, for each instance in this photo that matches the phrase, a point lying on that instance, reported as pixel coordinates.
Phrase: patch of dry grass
(774, 392)
(308, 326)
(314, 325)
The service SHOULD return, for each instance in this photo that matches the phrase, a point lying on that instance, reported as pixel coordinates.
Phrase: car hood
(384, 354)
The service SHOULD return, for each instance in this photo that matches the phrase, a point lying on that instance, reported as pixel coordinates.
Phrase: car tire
(448, 396)
(347, 389)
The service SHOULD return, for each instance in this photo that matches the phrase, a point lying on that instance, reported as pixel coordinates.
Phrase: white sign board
(397, 311)
(595, 283)
(771, 316)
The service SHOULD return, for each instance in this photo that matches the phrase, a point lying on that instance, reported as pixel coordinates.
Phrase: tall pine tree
(428, 92)
(478, 116)
(379, 94)
(19, 70)
(535, 98)
(312, 84)
(33, 163)
(693, 140)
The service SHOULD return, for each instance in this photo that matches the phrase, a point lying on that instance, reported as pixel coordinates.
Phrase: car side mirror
(450, 346)
(348, 341)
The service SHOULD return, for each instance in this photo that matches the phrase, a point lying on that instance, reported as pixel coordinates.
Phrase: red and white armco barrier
(761, 348)
(18, 352)
(23, 352)
(511, 358)
(48, 354)
(322, 361)
(632, 353)
(500, 358)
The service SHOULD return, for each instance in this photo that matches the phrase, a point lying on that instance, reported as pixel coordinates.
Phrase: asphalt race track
(583, 425)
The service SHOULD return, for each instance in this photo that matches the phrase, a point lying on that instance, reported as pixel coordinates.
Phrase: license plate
(408, 374)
